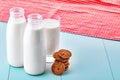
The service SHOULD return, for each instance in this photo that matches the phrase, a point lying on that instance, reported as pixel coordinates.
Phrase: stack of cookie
(61, 63)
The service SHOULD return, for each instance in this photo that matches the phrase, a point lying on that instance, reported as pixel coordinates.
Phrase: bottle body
(34, 49)
(14, 35)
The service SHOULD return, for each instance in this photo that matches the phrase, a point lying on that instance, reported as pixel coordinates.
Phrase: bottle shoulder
(16, 20)
(34, 27)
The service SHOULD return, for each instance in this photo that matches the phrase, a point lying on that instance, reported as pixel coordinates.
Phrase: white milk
(52, 35)
(14, 34)
(34, 47)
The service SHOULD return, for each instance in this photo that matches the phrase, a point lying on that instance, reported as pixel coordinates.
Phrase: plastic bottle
(34, 47)
(15, 31)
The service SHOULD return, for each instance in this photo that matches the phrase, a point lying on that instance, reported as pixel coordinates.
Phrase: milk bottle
(15, 30)
(34, 47)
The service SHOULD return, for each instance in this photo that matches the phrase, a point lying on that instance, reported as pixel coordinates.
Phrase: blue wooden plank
(4, 67)
(113, 51)
(89, 61)
(19, 74)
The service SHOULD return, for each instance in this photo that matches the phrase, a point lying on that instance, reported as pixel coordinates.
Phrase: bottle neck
(34, 19)
(17, 12)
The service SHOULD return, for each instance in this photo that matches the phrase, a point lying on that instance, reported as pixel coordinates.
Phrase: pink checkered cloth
(90, 18)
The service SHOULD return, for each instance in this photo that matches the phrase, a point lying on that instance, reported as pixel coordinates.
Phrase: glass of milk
(51, 26)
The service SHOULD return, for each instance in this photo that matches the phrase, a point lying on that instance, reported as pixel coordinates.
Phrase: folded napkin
(90, 18)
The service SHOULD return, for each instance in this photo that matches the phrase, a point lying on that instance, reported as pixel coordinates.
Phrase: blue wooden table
(92, 59)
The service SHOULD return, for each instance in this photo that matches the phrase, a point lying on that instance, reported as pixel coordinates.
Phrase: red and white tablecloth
(91, 18)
